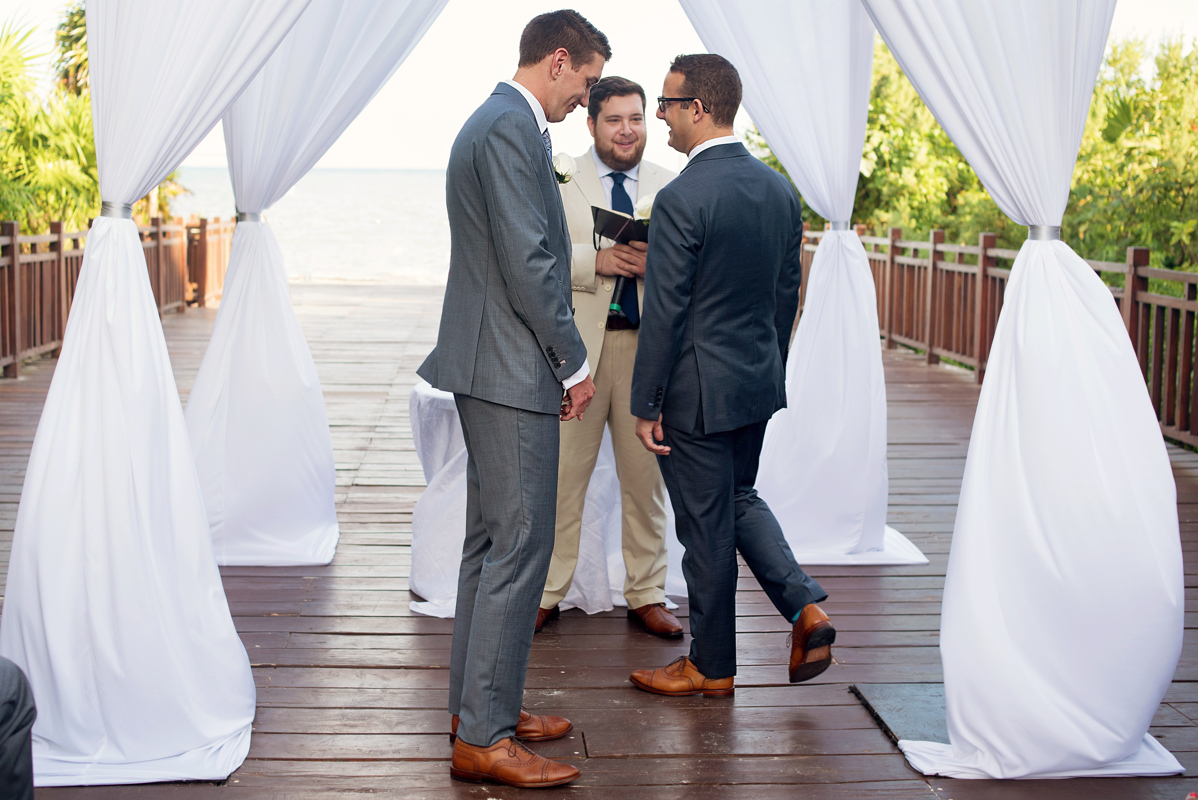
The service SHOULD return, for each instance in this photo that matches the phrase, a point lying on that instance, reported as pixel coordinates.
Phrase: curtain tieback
(839, 226)
(1043, 233)
(249, 216)
(116, 210)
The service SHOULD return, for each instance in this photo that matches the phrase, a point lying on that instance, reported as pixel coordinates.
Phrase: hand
(627, 260)
(650, 433)
(577, 398)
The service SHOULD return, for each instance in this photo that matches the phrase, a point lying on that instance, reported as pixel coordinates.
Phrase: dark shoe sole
(691, 693)
(453, 737)
(482, 777)
(817, 654)
(554, 614)
(670, 635)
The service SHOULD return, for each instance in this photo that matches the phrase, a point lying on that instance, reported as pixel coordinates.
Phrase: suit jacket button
(602, 325)
(607, 286)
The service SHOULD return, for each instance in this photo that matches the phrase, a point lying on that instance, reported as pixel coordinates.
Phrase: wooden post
(981, 316)
(159, 262)
(805, 270)
(202, 261)
(929, 311)
(1135, 321)
(60, 290)
(892, 252)
(16, 291)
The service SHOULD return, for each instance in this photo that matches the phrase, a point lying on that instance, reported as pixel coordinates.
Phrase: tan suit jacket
(592, 293)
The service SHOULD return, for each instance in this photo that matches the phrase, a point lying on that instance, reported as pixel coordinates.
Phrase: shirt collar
(535, 104)
(604, 170)
(711, 143)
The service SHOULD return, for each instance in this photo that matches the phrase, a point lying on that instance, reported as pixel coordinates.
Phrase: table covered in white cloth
(439, 521)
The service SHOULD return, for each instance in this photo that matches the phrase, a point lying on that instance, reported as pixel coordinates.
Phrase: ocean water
(376, 226)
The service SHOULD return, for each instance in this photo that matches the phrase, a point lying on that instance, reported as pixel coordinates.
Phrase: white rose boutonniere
(643, 208)
(564, 167)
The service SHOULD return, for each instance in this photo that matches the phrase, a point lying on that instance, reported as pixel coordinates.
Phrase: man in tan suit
(611, 175)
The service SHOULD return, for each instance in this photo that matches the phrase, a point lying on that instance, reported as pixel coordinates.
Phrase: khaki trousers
(642, 490)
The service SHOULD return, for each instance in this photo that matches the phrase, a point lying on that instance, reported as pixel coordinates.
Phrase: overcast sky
(412, 121)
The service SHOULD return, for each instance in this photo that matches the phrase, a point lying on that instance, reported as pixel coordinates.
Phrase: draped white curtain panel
(806, 67)
(1067, 530)
(256, 413)
(114, 607)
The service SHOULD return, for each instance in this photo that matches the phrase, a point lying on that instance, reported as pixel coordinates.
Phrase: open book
(618, 227)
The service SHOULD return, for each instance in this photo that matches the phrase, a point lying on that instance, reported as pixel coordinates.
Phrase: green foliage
(1135, 182)
(47, 153)
(70, 39)
(1136, 177)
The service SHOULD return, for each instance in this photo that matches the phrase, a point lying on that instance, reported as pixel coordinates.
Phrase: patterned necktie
(620, 201)
(548, 144)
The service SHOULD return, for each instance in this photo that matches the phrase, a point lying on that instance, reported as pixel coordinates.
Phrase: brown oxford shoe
(545, 615)
(530, 728)
(658, 620)
(679, 678)
(810, 644)
(507, 762)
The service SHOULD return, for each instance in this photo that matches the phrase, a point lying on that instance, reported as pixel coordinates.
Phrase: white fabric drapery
(1067, 529)
(256, 414)
(114, 607)
(439, 520)
(806, 67)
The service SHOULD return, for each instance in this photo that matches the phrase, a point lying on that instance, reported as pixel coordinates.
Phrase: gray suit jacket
(721, 293)
(507, 333)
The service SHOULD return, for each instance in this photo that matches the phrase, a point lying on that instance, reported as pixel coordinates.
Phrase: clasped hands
(622, 260)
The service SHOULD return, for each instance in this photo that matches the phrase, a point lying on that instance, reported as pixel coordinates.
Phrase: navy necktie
(620, 201)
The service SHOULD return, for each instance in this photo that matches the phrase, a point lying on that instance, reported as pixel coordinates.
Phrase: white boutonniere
(564, 167)
(643, 208)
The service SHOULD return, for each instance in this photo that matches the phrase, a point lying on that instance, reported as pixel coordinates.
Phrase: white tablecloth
(439, 521)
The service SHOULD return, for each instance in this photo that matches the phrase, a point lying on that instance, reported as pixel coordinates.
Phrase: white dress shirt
(631, 179)
(719, 140)
(543, 125)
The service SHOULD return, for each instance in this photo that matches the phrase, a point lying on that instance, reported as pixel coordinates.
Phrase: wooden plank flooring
(352, 685)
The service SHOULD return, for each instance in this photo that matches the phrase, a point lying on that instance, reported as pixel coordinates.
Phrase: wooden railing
(208, 245)
(38, 275)
(943, 299)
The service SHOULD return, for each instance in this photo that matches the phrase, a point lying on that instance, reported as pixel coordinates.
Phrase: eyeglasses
(661, 102)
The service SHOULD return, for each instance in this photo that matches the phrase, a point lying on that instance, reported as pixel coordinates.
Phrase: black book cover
(619, 227)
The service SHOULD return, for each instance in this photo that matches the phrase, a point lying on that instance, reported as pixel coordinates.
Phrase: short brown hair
(713, 80)
(565, 28)
(614, 86)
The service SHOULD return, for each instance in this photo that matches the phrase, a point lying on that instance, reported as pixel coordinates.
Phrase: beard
(609, 155)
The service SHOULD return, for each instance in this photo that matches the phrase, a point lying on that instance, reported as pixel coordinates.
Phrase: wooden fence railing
(208, 245)
(944, 299)
(38, 275)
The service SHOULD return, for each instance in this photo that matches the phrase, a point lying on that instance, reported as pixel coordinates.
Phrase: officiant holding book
(608, 289)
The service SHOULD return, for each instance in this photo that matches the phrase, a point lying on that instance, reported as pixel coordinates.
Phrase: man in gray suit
(721, 294)
(506, 348)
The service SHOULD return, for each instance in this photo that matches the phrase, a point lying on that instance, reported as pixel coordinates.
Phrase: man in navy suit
(721, 294)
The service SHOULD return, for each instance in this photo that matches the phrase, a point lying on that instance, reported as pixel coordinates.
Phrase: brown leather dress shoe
(658, 620)
(679, 678)
(811, 644)
(507, 762)
(530, 728)
(545, 615)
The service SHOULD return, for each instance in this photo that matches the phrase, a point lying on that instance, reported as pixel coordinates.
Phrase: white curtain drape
(806, 67)
(256, 413)
(114, 607)
(1067, 529)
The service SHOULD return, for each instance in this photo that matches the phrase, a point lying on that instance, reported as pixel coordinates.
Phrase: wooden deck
(351, 684)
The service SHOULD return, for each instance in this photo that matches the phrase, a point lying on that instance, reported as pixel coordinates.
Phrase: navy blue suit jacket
(721, 294)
